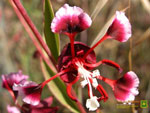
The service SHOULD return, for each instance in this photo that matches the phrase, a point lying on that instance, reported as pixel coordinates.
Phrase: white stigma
(96, 73)
(91, 103)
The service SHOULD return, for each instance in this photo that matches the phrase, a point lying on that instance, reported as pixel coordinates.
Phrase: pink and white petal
(123, 95)
(125, 88)
(70, 20)
(12, 109)
(30, 92)
(128, 81)
(13, 78)
(120, 28)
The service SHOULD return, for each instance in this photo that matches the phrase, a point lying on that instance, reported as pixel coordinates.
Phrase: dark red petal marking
(128, 80)
(65, 60)
(32, 94)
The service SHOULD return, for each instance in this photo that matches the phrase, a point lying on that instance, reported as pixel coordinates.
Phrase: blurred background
(17, 50)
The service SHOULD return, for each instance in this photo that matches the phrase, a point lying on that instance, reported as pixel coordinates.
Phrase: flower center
(89, 77)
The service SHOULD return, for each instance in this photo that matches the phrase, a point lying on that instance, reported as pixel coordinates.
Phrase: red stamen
(91, 49)
(103, 93)
(58, 74)
(104, 61)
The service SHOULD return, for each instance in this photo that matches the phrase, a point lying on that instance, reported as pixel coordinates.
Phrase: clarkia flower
(125, 88)
(43, 107)
(70, 20)
(29, 91)
(79, 60)
(120, 28)
(13, 78)
(80, 67)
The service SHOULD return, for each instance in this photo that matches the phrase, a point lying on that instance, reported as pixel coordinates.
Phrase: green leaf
(52, 39)
(97, 8)
(58, 89)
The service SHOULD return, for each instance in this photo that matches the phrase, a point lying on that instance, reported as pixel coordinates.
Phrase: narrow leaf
(58, 89)
(97, 9)
(146, 4)
(144, 36)
(52, 39)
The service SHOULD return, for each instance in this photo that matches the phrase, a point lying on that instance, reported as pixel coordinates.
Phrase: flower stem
(9, 89)
(23, 12)
(91, 49)
(53, 77)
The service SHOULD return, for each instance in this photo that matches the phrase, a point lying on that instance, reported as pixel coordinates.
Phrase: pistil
(71, 36)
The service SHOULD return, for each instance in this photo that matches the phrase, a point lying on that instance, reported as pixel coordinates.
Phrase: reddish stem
(23, 12)
(91, 49)
(32, 37)
(53, 77)
(9, 89)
